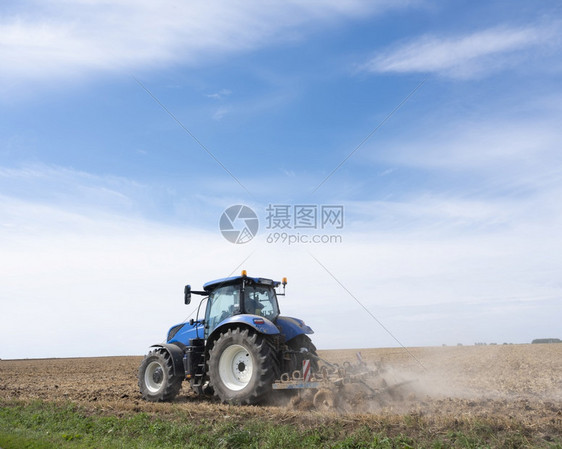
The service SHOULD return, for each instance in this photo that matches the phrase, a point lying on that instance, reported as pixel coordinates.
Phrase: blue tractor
(236, 351)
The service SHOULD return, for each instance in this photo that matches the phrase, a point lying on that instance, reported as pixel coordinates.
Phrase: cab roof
(211, 285)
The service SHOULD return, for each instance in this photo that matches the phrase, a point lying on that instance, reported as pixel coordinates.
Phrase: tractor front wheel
(157, 382)
(240, 367)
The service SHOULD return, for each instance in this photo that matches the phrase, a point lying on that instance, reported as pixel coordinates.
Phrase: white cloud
(75, 190)
(465, 56)
(68, 274)
(62, 39)
(220, 113)
(200, 197)
(482, 144)
(221, 94)
(485, 156)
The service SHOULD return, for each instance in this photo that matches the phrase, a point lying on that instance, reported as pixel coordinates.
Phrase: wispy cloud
(465, 56)
(68, 187)
(484, 144)
(221, 94)
(62, 39)
(199, 199)
(220, 113)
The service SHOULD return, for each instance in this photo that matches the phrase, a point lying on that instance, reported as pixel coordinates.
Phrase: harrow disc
(324, 400)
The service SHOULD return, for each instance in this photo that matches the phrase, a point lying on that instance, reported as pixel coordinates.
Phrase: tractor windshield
(261, 300)
(223, 302)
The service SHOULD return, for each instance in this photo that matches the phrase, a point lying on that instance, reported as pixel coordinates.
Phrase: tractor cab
(238, 299)
(251, 296)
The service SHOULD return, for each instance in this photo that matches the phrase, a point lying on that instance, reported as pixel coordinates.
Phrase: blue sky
(108, 206)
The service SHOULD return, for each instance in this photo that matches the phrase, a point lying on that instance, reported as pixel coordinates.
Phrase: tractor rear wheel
(297, 344)
(157, 382)
(240, 367)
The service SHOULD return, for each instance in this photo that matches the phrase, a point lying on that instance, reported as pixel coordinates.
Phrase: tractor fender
(292, 327)
(176, 353)
(256, 322)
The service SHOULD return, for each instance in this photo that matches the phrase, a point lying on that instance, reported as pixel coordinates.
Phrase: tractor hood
(184, 332)
(292, 327)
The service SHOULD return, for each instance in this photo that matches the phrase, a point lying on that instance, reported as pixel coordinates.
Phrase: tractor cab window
(261, 300)
(223, 303)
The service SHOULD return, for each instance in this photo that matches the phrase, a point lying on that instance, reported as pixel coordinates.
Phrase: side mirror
(187, 294)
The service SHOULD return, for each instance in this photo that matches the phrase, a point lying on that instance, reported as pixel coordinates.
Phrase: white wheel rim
(154, 376)
(236, 367)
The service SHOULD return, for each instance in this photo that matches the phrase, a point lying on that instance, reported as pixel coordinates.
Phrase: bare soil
(511, 385)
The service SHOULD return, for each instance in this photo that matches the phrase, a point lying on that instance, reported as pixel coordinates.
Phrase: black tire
(296, 344)
(240, 367)
(157, 382)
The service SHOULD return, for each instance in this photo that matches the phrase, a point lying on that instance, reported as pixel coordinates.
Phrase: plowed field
(513, 385)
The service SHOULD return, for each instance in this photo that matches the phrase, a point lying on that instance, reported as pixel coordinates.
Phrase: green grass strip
(44, 425)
